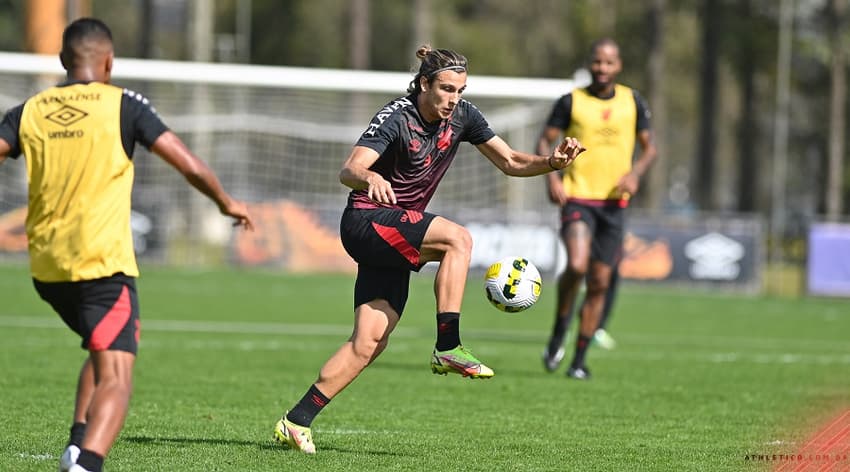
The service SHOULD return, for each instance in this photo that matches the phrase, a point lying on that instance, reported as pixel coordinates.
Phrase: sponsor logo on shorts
(411, 216)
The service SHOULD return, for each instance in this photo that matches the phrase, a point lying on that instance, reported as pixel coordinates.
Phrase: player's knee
(577, 268)
(379, 349)
(461, 241)
(597, 285)
(367, 348)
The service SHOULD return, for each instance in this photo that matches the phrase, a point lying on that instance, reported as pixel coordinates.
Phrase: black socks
(310, 405)
(448, 330)
(90, 461)
(78, 431)
(582, 343)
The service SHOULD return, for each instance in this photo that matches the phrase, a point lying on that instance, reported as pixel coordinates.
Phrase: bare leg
(597, 287)
(113, 376)
(451, 244)
(85, 391)
(373, 323)
(577, 239)
(610, 295)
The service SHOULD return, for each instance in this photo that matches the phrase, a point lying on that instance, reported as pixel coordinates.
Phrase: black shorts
(607, 228)
(104, 312)
(385, 243)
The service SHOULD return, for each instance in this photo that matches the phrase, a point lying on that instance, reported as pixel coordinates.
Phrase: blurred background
(748, 98)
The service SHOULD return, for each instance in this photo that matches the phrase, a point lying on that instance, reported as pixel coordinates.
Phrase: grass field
(705, 382)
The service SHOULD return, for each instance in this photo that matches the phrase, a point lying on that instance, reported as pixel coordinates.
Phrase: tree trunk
(423, 24)
(656, 182)
(837, 118)
(704, 176)
(359, 39)
(747, 125)
(45, 21)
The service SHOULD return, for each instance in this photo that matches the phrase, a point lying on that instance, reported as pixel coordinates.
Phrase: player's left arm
(520, 164)
(630, 183)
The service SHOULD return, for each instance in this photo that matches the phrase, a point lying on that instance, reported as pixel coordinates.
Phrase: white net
(277, 137)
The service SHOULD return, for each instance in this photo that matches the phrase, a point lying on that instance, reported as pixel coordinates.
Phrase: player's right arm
(558, 121)
(173, 151)
(9, 127)
(355, 174)
(547, 140)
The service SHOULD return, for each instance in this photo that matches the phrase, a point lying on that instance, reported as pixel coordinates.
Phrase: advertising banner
(725, 253)
(828, 268)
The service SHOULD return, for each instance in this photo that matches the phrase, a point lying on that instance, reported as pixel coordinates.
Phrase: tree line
(737, 87)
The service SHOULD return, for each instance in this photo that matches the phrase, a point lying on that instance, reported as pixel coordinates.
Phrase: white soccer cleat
(69, 458)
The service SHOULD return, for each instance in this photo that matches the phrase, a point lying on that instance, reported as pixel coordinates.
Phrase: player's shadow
(266, 445)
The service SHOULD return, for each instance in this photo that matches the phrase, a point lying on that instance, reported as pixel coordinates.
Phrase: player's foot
(578, 373)
(295, 436)
(459, 361)
(604, 340)
(551, 362)
(68, 458)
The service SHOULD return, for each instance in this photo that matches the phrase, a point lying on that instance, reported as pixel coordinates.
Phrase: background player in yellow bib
(78, 140)
(608, 118)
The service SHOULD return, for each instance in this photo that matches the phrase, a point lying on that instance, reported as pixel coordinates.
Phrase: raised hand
(565, 153)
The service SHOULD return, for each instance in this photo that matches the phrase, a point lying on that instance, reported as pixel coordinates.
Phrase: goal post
(276, 137)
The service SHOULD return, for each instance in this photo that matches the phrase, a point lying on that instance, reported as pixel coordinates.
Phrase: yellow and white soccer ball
(512, 284)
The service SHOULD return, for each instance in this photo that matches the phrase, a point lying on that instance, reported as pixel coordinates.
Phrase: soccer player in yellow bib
(593, 193)
(78, 140)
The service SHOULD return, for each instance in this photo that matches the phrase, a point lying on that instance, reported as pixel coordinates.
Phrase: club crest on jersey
(606, 114)
(445, 139)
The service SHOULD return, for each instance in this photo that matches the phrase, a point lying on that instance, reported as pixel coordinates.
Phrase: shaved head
(86, 43)
(604, 42)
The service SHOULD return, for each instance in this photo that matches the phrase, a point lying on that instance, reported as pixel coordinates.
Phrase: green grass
(698, 381)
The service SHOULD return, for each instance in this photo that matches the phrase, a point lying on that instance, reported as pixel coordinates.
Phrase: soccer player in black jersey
(393, 171)
(78, 140)
(593, 195)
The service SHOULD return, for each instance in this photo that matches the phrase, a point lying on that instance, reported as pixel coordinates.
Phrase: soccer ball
(512, 284)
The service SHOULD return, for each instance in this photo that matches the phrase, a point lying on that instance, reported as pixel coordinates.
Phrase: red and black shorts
(385, 243)
(104, 312)
(607, 226)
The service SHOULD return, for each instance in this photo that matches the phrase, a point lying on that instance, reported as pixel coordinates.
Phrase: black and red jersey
(414, 154)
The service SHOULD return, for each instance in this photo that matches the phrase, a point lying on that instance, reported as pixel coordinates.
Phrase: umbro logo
(66, 116)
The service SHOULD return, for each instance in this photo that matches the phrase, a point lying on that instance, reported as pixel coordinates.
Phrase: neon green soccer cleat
(295, 436)
(459, 361)
(604, 340)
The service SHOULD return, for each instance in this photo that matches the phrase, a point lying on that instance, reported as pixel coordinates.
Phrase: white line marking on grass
(656, 352)
(228, 327)
(38, 457)
(351, 432)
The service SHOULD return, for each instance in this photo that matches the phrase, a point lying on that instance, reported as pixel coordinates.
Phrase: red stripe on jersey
(394, 238)
(111, 325)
